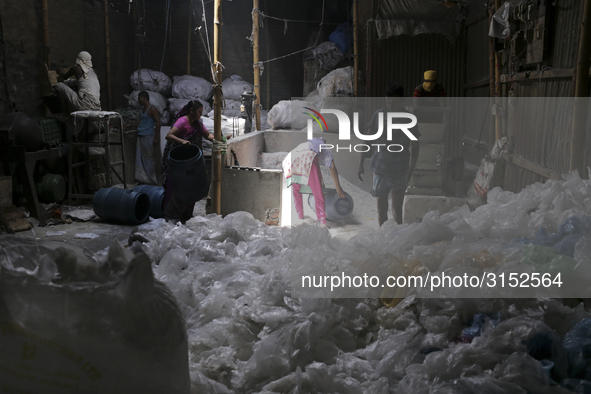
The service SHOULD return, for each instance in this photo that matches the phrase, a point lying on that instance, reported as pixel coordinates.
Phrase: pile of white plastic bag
(169, 97)
(232, 279)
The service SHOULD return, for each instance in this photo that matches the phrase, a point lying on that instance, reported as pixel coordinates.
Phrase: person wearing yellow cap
(429, 87)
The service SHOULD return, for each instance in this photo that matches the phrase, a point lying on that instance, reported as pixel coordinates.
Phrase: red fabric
(438, 91)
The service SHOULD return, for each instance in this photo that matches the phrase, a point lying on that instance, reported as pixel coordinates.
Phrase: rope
(219, 146)
(204, 18)
(260, 63)
(261, 13)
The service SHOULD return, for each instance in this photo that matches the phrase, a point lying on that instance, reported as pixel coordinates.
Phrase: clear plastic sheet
(232, 278)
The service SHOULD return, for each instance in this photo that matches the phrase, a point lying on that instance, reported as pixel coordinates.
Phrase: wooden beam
(108, 56)
(189, 30)
(531, 166)
(542, 74)
(45, 22)
(256, 59)
(581, 89)
(216, 202)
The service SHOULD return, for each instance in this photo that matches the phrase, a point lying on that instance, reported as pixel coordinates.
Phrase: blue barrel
(121, 205)
(156, 196)
(336, 208)
(186, 167)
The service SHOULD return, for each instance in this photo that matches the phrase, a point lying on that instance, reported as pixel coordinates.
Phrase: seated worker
(88, 95)
(391, 170)
(301, 167)
(147, 155)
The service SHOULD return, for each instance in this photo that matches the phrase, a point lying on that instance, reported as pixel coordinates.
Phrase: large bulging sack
(289, 115)
(176, 104)
(328, 55)
(69, 324)
(235, 86)
(156, 99)
(146, 79)
(338, 82)
(190, 87)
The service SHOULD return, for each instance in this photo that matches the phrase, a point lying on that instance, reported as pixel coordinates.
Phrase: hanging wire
(204, 19)
(165, 34)
(260, 64)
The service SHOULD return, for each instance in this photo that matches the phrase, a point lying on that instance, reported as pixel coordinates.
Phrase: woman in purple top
(188, 129)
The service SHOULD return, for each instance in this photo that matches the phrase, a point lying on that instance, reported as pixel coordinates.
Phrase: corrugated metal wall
(403, 59)
(550, 150)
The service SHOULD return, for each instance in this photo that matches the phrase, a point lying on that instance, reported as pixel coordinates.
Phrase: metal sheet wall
(403, 59)
(550, 150)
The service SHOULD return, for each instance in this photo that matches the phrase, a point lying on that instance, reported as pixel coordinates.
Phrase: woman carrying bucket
(188, 129)
(301, 167)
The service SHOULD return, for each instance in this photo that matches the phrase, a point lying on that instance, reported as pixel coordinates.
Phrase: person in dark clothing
(391, 170)
(429, 87)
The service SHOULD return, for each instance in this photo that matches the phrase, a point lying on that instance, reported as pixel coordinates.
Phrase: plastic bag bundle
(338, 82)
(190, 87)
(328, 55)
(233, 279)
(235, 86)
(155, 81)
(288, 115)
(176, 104)
(165, 118)
(71, 324)
(156, 99)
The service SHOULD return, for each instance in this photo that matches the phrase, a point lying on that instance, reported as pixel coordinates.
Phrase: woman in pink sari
(188, 129)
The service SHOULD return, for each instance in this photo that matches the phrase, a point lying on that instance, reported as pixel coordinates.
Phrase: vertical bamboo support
(108, 53)
(368, 63)
(189, 40)
(255, 50)
(268, 68)
(498, 117)
(45, 22)
(217, 106)
(491, 76)
(356, 47)
(498, 125)
(577, 142)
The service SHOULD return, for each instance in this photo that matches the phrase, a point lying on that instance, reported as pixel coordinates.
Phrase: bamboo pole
(217, 106)
(356, 47)
(491, 75)
(257, 74)
(498, 125)
(45, 21)
(498, 118)
(108, 54)
(189, 40)
(268, 67)
(577, 142)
